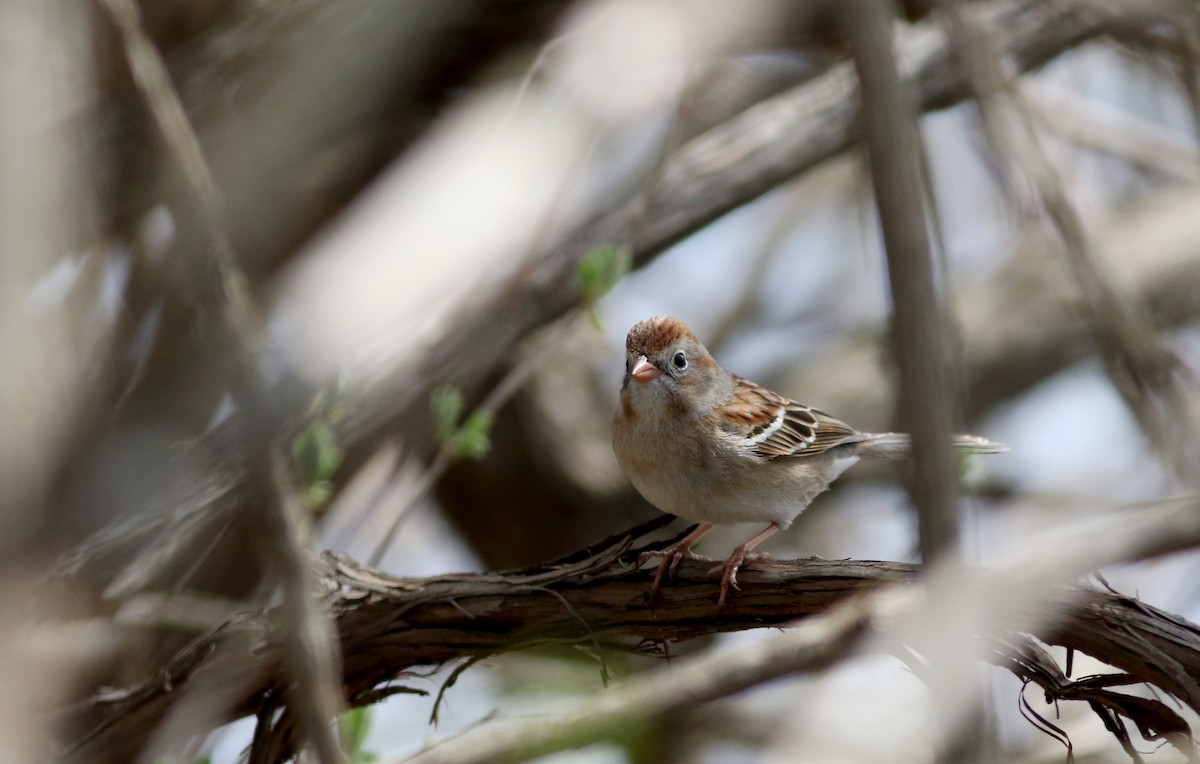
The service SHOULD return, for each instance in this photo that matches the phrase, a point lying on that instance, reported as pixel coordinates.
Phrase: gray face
(684, 380)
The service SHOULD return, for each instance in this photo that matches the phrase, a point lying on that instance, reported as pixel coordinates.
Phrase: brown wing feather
(773, 427)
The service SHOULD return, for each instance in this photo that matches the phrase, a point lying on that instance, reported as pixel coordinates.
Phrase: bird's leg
(740, 555)
(672, 556)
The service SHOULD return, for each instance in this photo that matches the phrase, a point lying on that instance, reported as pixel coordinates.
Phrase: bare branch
(928, 396)
(596, 596)
(1156, 387)
(308, 640)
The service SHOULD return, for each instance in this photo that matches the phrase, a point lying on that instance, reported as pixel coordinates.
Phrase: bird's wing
(769, 426)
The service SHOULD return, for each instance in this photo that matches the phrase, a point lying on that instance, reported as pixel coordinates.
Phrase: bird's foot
(670, 561)
(730, 569)
(675, 554)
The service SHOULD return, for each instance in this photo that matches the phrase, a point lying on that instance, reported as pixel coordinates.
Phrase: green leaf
(468, 440)
(352, 728)
(447, 404)
(316, 456)
(472, 439)
(600, 270)
(971, 470)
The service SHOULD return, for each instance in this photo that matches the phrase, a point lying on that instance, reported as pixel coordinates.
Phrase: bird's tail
(898, 445)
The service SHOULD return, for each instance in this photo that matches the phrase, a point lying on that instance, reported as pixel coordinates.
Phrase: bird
(700, 442)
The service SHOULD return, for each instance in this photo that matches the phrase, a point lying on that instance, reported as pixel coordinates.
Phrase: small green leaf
(352, 728)
(600, 270)
(472, 439)
(971, 471)
(316, 456)
(447, 404)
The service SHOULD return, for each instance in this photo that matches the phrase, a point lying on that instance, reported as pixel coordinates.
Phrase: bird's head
(668, 372)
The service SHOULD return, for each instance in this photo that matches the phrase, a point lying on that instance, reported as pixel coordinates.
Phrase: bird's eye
(679, 361)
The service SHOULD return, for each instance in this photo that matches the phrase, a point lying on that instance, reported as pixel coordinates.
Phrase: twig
(495, 399)
(1109, 130)
(928, 399)
(221, 284)
(1154, 385)
(928, 396)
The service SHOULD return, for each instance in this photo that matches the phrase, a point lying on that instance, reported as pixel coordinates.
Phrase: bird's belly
(718, 486)
(712, 502)
(763, 493)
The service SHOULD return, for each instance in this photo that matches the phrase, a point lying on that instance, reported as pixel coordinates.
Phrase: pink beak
(644, 371)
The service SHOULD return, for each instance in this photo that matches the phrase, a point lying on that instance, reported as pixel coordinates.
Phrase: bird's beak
(644, 371)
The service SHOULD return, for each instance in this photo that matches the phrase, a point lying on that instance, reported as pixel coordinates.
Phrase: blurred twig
(1007, 351)
(1090, 123)
(489, 406)
(928, 401)
(928, 395)
(309, 649)
(1157, 388)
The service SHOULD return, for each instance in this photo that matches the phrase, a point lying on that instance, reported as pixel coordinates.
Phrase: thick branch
(597, 598)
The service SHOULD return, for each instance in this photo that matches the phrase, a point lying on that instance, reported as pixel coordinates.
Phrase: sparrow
(702, 443)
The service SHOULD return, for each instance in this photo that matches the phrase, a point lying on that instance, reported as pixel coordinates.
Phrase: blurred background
(431, 207)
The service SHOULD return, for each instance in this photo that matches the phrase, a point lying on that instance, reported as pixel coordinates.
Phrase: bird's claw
(677, 554)
(670, 562)
(730, 569)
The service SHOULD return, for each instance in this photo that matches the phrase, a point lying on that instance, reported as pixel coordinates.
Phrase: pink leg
(740, 555)
(672, 556)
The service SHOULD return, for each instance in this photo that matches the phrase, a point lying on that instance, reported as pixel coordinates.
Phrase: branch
(596, 598)
(1155, 385)
(281, 524)
(928, 396)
